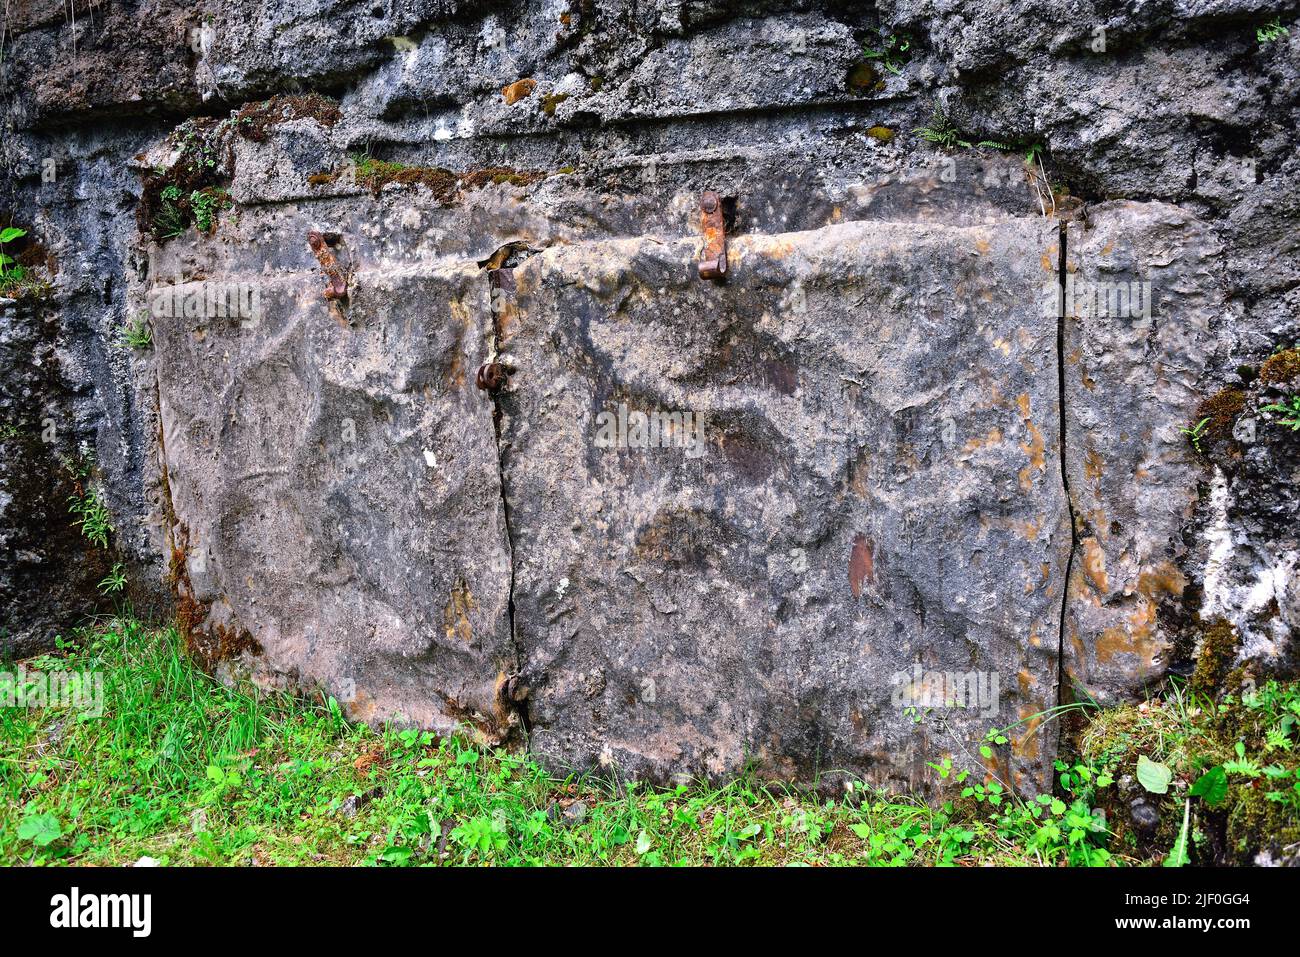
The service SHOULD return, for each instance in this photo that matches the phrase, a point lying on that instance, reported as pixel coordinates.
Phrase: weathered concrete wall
(903, 425)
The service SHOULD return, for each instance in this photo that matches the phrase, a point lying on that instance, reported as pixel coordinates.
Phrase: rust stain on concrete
(861, 564)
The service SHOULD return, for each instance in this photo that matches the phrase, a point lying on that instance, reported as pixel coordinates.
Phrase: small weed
(1271, 31)
(942, 131)
(136, 333)
(206, 203)
(11, 274)
(1289, 412)
(78, 468)
(15, 279)
(92, 517)
(1196, 433)
(114, 581)
(198, 150)
(894, 52)
(170, 220)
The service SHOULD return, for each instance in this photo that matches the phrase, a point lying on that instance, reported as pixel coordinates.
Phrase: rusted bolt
(338, 281)
(491, 376)
(713, 259)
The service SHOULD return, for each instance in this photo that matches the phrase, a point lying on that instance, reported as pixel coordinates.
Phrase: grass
(1233, 766)
(187, 771)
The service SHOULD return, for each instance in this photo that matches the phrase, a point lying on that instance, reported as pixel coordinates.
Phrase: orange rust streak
(861, 564)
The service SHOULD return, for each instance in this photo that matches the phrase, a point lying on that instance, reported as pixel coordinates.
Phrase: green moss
(375, 174)
(882, 134)
(1254, 823)
(1219, 644)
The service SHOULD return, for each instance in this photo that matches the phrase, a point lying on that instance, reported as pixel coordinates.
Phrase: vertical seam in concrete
(1062, 233)
(520, 707)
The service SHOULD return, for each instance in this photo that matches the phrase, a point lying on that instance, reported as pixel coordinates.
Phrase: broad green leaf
(1212, 785)
(1152, 776)
(11, 233)
(41, 829)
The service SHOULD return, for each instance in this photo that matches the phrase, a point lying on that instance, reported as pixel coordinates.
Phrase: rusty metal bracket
(338, 281)
(713, 223)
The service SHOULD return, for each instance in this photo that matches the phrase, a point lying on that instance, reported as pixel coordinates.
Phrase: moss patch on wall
(253, 122)
(1219, 645)
(1281, 367)
(1221, 409)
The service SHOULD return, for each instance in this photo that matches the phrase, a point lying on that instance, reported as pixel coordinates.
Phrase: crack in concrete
(511, 696)
(1063, 230)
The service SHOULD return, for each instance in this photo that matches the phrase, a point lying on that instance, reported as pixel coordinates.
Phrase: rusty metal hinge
(713, 223)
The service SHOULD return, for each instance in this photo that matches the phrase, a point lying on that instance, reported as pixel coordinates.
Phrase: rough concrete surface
(918, 467)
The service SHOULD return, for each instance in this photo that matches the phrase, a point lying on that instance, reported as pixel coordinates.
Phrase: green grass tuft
(188, 771)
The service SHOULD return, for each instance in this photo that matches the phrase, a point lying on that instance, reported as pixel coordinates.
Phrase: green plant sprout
(1271, 31)
(1289, 410)
(1196, 433)
(92, 517)
(136, 333)
(894, 53)
(114, 581)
